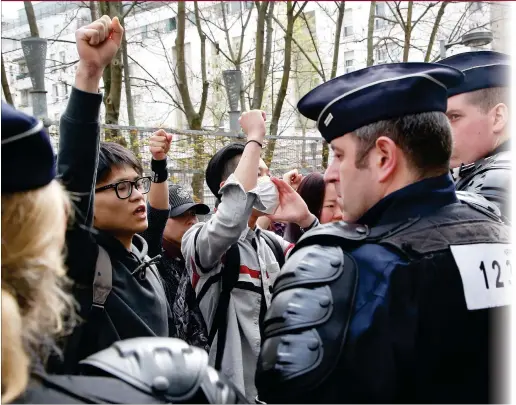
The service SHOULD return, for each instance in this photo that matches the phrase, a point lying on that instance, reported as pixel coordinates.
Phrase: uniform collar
(417, 199)
(504, 147)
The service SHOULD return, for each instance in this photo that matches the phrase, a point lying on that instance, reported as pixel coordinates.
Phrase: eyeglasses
(124, 188)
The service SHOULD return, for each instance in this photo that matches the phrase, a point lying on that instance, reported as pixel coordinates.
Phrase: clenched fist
(97, 44)
(253, 125)
(159, 144)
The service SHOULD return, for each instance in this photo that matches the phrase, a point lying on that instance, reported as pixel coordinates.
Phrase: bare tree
(370, 31)
(31, 19)
(5, 85)
(193, 117)
(435, 28)
(292, 15)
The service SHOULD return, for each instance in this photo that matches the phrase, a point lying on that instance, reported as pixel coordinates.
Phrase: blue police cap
(483, 70)
(378, 93)
(27, 156)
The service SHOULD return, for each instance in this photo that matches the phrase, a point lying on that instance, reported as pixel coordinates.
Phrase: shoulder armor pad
(479, 203)
(164, 367)
(306, 325)
(491, 179)
(333, 234)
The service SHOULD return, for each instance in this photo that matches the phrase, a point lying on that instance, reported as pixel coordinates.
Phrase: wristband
(252, 140)
(159, 170)
(312, 225)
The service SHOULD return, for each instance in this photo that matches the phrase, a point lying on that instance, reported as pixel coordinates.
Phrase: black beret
(482, 70)
(216, 165)
(378, 93)
(28, 160)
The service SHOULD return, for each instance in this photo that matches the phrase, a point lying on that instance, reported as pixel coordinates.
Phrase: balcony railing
(22, 76)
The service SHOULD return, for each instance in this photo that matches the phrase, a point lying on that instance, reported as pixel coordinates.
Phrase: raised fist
(98, 43)
(293, 178)
(253, 124)
(159, 144)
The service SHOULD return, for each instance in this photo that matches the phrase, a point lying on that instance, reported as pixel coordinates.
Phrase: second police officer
(402, 306)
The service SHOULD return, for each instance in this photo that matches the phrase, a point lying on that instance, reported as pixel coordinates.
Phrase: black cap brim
(200, 209)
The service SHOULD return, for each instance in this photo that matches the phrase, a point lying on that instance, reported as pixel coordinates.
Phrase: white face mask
(269, 195)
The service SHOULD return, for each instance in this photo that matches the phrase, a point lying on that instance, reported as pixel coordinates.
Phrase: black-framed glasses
(124, 188)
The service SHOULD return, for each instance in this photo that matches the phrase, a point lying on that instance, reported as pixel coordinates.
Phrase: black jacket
(188, 323)
(137, 305)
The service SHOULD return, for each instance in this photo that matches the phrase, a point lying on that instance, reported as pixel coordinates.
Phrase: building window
(23, 72)
(55, 92)
(348, 22)
(24, 98)
(62, 57)
(64, 89)
(381, 56)
(144, 32)
(248, 5)
(171, 24)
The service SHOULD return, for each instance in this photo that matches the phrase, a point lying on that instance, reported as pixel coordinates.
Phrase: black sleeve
(77, 167)
(154, 233)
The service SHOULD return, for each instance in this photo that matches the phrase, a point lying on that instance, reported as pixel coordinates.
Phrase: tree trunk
(113, 81)
(269, 151)
(336, 44)
(31, 19)
(258, 62)
(408, 33)
(435, 28)
(268, 43)
(193, 117)
(5, 85)
(133, 134)
(94, 11)
(370, 32)
(334, 66)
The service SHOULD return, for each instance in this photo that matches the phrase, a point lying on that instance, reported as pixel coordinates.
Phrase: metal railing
(191, 150)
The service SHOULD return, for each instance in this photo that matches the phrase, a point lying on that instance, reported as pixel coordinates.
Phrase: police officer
(396, 307)
(479, 115)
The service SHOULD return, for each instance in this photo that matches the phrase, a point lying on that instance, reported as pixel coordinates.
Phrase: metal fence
(191, 150)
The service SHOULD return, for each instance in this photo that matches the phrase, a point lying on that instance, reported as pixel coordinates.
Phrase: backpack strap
(103, 279)
(230, 273)
(275, 247)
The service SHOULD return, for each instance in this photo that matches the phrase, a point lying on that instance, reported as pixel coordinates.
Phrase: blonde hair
(34, 303)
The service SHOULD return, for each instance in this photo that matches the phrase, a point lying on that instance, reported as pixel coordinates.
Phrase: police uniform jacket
(410, 336)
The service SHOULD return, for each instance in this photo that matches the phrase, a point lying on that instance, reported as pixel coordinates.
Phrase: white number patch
(486, 273)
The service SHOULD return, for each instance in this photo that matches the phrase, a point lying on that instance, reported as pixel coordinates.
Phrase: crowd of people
(386, 278)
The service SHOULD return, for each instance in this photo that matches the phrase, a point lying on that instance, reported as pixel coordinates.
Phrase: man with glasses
(108, 189)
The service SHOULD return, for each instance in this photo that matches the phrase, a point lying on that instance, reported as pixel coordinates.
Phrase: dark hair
(230, 167)
(486, 99)
(114, 155)
(311, 189)
(424, 138)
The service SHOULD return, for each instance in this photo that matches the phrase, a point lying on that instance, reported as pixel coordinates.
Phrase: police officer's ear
(386, 158)
(500, 116)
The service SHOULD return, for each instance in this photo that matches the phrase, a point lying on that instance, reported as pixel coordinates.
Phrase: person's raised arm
(157, 203)
(97, 44)
(207, 242)
(253, 124)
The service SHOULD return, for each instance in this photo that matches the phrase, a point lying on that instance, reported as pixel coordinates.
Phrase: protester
(36, 309)
(189, 322)
(321, 199)
(479, 115)
(231, 253)
(103, 247)
(390, 309)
